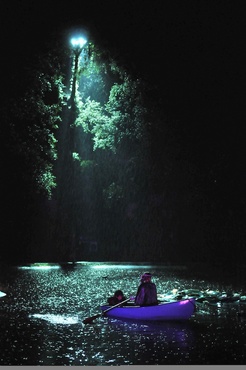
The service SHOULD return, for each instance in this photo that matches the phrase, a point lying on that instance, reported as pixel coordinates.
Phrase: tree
(114, 130)
(88, 164)
(29, 121)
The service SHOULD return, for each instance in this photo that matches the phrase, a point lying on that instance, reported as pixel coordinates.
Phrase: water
(41, 319)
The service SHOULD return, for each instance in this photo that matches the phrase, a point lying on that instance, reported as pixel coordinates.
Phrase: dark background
(191, 51)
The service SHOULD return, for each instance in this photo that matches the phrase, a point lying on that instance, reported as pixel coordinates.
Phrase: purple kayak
(178, 310)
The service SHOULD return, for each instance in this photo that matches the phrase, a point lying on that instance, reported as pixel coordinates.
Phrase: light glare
(78, 42)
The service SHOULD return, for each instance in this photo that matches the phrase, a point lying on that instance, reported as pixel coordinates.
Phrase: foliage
(114, 119)
(91, 157)
(33, 119)
(119, 118)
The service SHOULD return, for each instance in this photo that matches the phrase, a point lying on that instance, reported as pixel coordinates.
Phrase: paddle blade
(89, 320)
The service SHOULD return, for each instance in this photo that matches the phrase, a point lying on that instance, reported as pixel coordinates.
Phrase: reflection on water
(57, 319)
(41, 319)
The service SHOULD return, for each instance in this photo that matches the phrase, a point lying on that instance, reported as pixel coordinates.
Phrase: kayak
(165, 311)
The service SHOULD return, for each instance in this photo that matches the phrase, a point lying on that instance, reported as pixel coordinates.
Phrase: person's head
(146, 277)
(118, 294)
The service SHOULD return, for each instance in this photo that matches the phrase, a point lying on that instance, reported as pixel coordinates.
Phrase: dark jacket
(114, 300)
(146, 294)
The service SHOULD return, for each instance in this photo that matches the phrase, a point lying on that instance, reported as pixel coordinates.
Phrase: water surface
(41, 319)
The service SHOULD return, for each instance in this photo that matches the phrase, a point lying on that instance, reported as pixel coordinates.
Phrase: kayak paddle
(89, 320)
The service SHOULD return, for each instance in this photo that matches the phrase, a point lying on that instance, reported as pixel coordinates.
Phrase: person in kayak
(146, 293)
(116, 298)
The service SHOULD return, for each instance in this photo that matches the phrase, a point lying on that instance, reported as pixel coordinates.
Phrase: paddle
(89, 320)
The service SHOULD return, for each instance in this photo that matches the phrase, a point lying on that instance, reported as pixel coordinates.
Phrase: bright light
(78, 42)
(107, 266)
(39, 266)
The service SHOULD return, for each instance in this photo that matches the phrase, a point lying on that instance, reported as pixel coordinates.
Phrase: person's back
(147, 293)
